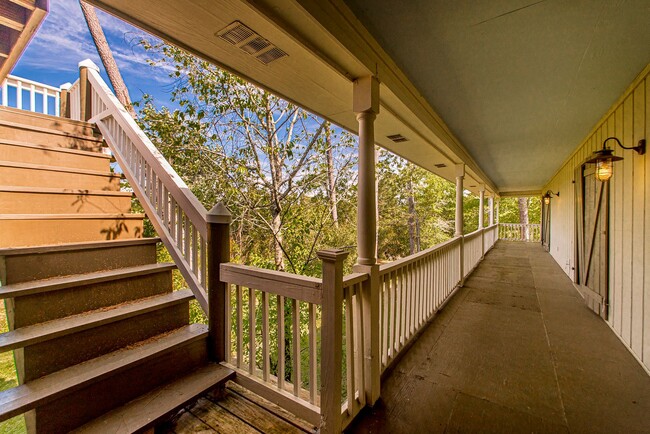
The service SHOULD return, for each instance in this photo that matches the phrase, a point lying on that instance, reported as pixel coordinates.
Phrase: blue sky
(63, 41)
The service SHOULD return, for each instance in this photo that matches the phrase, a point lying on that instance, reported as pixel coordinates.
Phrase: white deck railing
(528, 232)
(14, 90)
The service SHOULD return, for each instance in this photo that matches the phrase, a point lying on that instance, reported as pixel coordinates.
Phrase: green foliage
(509, 210)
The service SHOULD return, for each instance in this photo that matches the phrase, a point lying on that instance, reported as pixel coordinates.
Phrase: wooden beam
(13, 15)
(29, 29)
(27, 4)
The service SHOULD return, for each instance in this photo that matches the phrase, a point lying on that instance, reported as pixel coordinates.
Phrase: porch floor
(515, 350)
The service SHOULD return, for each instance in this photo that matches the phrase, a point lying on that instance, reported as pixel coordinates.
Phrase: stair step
(13, 150)
(48, 136)
(146, 411)
(38, 175)
(23, 264)
(47, 389)
(37, 200)
(46, 285)
(30, 335)
(25, 117)
(39, 229)
(49, 299)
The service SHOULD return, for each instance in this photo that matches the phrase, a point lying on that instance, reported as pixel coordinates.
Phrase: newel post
(331, 340)
(85, 94)
(218, 242)
(64, 100)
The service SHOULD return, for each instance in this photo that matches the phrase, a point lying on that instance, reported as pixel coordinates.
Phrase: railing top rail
(520, 224)
(302, 288)
(13, 79)
(354, 278)
(194, 209)
(474, 234)
(387, 268)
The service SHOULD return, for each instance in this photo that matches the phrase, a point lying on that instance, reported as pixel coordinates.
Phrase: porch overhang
(515, 85)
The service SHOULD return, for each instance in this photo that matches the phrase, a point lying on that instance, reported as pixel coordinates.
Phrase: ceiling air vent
(247, 40)
(397, 138)
(269, 56)
(440, 165)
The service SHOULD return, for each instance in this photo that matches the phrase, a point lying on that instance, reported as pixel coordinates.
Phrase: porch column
(491, 209)
(366, 106)
(481, 216)
(460, 175)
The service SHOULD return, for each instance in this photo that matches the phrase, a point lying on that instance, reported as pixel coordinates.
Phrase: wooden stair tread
(46, 389)
(44, 116)
(76, 171)
(55, 190)
(57, 283)
(146, 411)
(69, 216)
(86, 245)
(36, 333)
(21, 126)
(55, 149)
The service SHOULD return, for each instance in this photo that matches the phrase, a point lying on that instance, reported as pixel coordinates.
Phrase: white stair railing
(176, 214)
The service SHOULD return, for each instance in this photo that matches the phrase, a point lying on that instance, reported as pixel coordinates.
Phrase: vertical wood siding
(629, 225)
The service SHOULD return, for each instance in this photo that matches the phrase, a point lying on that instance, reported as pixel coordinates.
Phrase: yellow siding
(629, 226)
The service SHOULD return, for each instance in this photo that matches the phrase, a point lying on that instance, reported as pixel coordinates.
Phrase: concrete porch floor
(515, 350)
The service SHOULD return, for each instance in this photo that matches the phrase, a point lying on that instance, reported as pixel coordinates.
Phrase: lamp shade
(604, 159)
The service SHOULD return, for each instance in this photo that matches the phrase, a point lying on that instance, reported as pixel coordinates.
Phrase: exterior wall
(629, 228)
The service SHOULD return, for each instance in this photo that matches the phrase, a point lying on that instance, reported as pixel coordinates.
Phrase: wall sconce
(604, 159)
(547, 196)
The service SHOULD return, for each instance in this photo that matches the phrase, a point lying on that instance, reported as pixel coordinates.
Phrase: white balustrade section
(411, 291)
(527, 232)
(176, 214)
(37, 92)
(473, 251)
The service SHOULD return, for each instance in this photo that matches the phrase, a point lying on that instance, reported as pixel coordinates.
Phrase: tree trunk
(523, 217)
(331, 180)
(121, 92)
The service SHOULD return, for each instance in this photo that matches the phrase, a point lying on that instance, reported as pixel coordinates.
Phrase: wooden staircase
(101, 341)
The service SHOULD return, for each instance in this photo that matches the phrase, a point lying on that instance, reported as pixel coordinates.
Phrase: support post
(366, 106)
(491, 210)
(218, 242)
(331, 340)
(460, 175)
(64, 100)
(85, 94)
(497, 217)
(481, 216)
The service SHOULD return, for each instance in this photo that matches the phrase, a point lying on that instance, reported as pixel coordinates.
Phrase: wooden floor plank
(271, 407)
(187, 423)
(218, 419)
(257, 416)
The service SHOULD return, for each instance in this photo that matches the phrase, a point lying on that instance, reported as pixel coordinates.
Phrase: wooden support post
(218, 242)
(481, 216)
(64, 100)
(85, 94)
(491, 210)
(366, 106)
(460, 175)
(331, 340)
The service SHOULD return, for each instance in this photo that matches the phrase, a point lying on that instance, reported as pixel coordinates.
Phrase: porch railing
(30, 95)
(257, 317)
(528, 232)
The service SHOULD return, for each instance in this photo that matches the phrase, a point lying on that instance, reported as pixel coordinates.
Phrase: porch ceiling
(518, 85)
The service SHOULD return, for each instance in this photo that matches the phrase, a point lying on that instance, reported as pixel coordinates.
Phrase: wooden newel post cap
(219, 214)
(65, 86)
(88, 64)
(332, 255)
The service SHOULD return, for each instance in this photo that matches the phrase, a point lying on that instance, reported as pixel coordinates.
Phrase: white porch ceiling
(519, 82)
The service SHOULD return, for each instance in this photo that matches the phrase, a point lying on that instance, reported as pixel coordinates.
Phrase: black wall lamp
(547, 196)
(604, 158)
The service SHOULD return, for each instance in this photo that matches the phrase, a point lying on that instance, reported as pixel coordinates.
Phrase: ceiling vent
(397, 138)
(440, 165)
(247, 40)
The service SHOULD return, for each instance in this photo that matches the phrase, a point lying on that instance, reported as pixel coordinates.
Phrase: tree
(105, 53)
